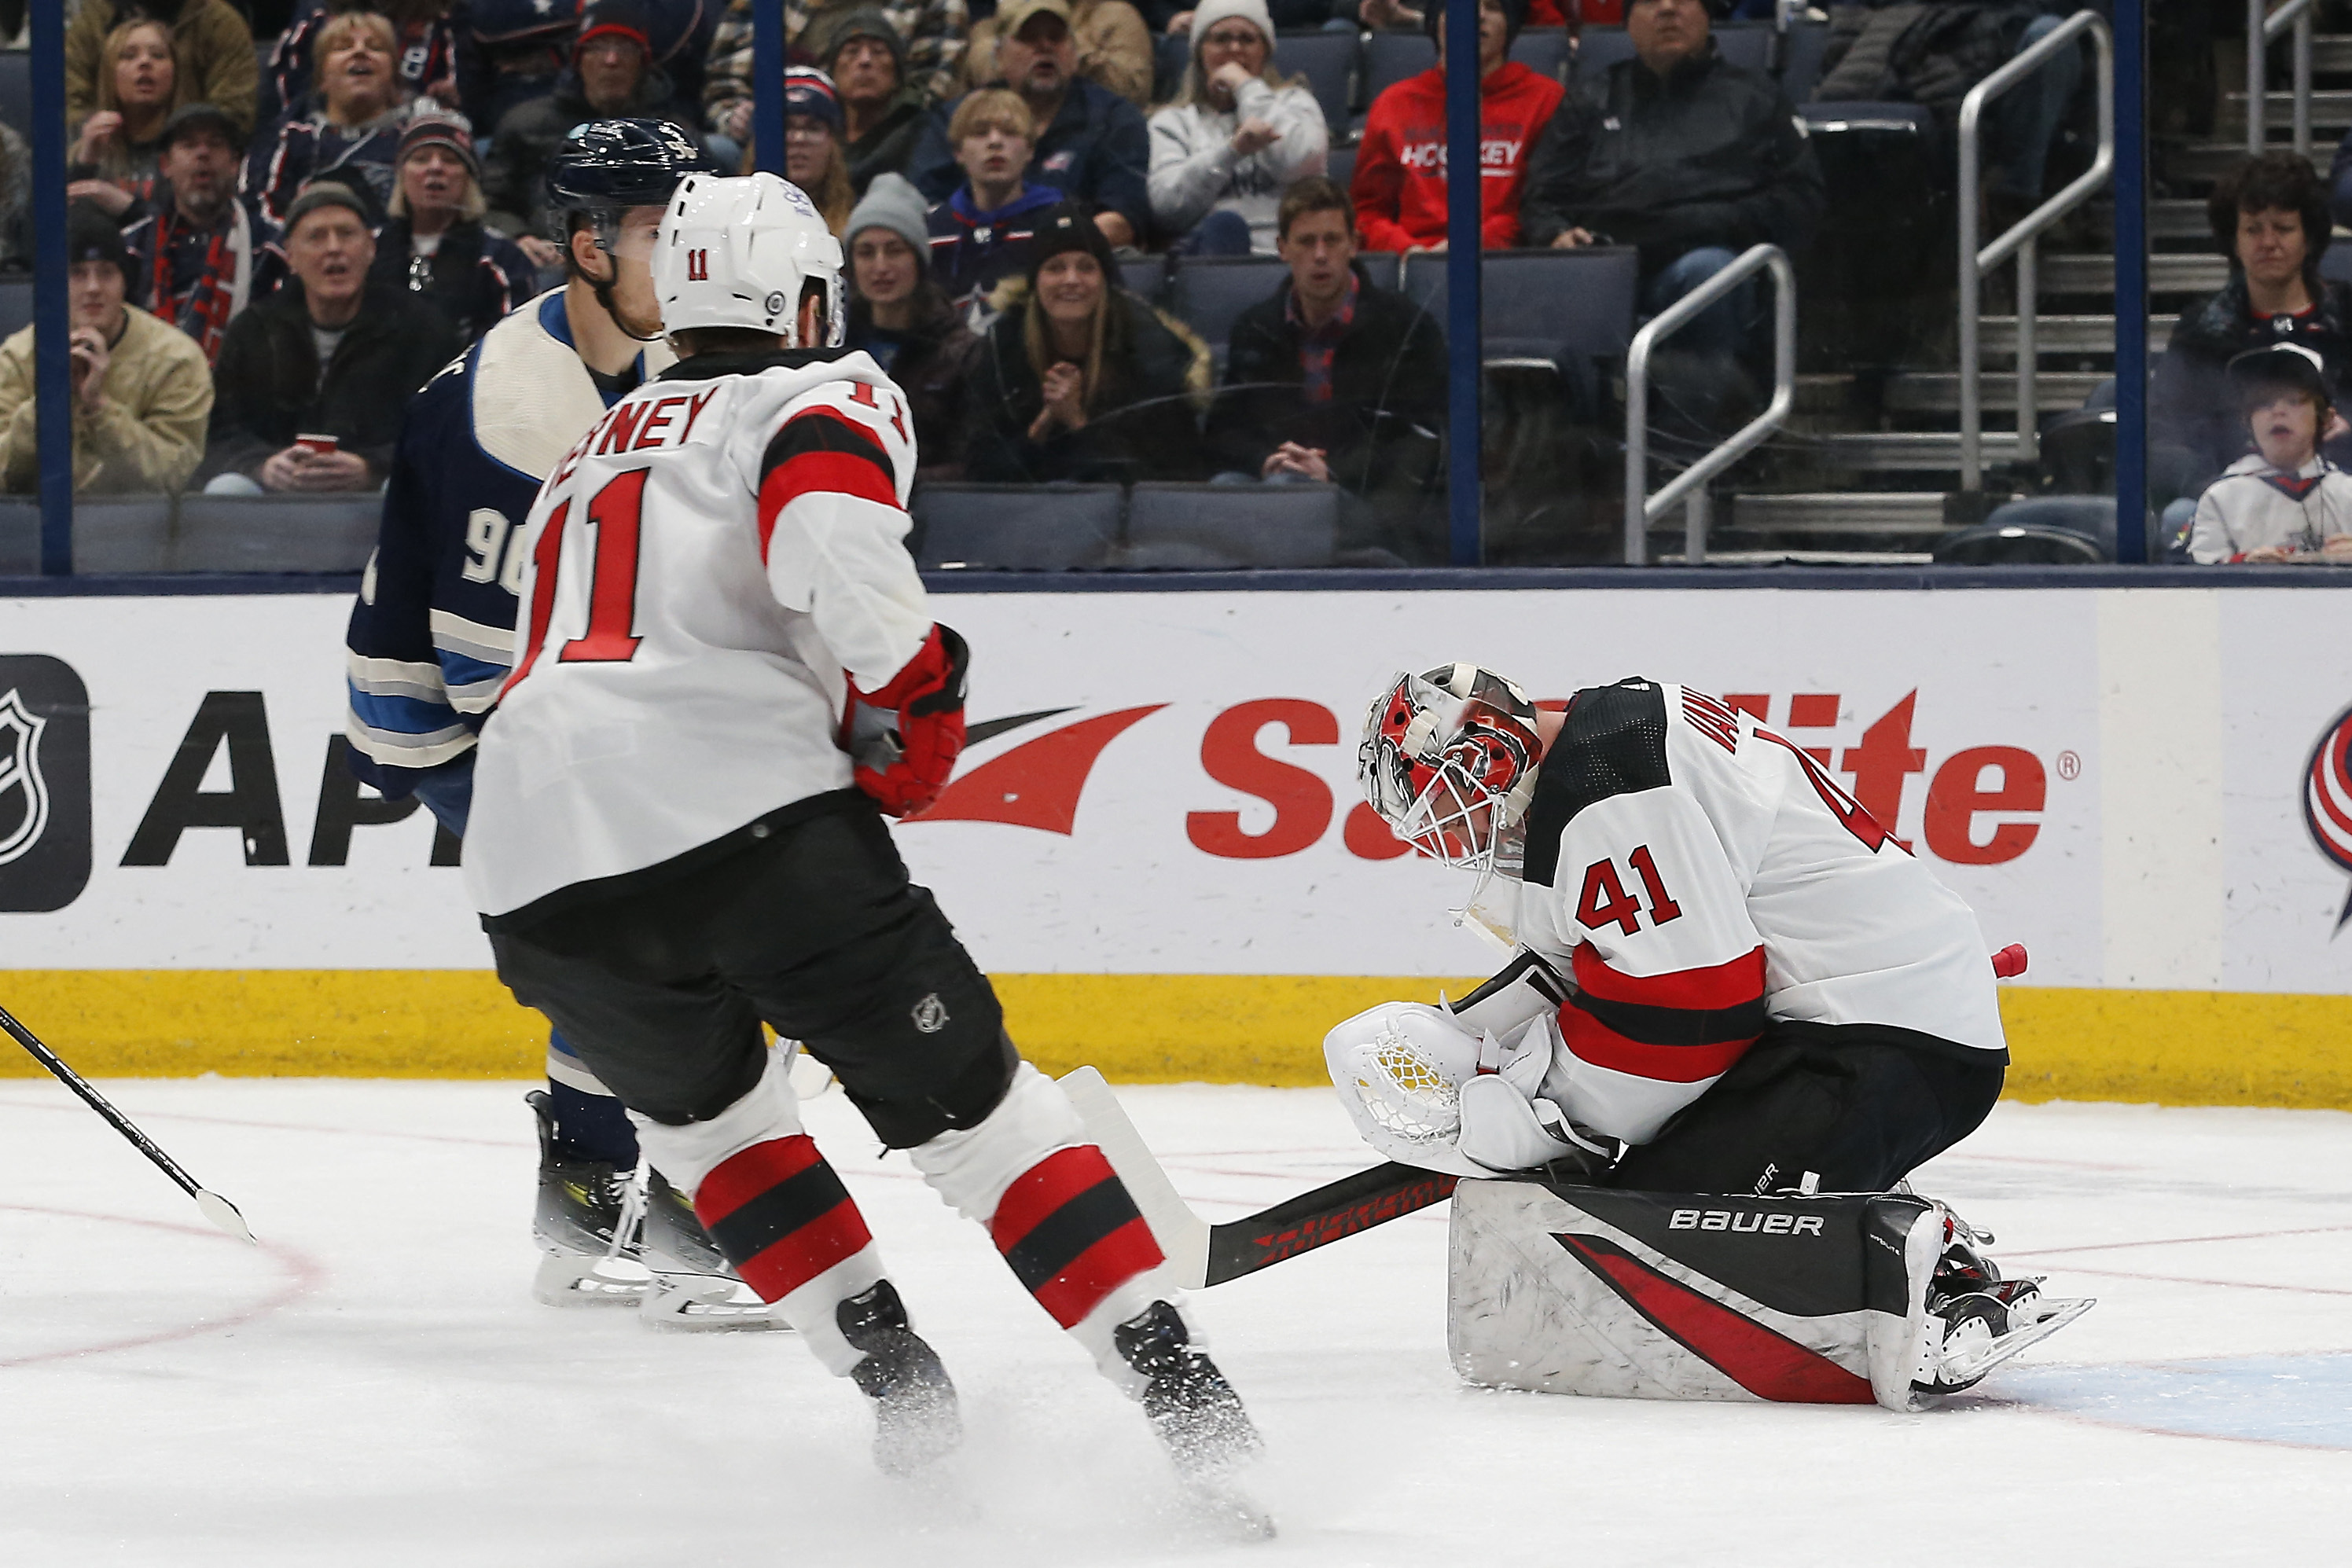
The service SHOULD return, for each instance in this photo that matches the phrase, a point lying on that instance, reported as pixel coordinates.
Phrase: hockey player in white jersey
(672, 842)
(1729, 978)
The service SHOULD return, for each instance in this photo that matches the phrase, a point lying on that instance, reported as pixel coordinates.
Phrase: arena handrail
(2261, 30)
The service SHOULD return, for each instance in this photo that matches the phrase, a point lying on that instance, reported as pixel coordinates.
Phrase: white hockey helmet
(737, 252)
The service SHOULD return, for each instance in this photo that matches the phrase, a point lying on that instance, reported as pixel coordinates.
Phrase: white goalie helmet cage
(739, 252)
(1399, 1068)
(1449, 759)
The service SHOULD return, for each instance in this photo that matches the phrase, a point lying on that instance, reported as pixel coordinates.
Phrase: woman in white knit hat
(1236, 135)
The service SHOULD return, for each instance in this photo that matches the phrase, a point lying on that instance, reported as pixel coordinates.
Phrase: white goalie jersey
(1690, 879)
(706, 565)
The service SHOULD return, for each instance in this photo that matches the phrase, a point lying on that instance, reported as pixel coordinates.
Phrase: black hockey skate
(1975, 1319)
(915, 1417)
(694, 1286)
(1197, 1415)
(583, 1223)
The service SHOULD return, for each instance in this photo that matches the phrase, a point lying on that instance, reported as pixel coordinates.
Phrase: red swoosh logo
(1037, 784)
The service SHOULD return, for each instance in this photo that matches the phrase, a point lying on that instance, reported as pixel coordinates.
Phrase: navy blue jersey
(432, 636)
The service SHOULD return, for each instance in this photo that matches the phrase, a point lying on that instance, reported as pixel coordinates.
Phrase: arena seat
(1339, 163)
(1144, 275)
(1014, 528)
(1568, 309)
(1169, 55)
(1800, 62)
(2047, 531)
(1212, 527)
(1390, 58)
(1381, 266)
(1210, 292)
(1328, 61)
(17, 91)
(111, 533)
(2336, 264)
(16, 306)
(275, 533)
(1549, 51)
(1886, 232)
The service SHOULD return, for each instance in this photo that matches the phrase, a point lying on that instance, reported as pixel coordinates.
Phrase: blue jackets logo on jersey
(45, 812)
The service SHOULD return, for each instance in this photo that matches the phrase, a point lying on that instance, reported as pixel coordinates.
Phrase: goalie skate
(1972, 1334)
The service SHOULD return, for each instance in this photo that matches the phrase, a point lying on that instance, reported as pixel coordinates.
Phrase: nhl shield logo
(2328, 798)
(930, 1014)
(24, 792)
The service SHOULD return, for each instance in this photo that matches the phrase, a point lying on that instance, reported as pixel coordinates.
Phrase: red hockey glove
(924, 704)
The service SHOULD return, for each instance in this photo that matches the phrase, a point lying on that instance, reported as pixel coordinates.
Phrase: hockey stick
(1202, 1254)
(215, 1207)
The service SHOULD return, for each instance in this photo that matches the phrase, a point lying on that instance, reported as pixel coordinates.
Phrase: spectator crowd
(303, 231)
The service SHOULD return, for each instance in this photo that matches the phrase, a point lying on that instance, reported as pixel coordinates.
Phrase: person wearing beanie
(899, 315)
(201, 256)
(141, 392)
(611, 77)
(432, 244)
(882, 111)
(1079, 378)
(1235, 138)
(1400, 171)
(814, 159)
(931, 36)
(330, 355)
(980, 233)
(1113, 41)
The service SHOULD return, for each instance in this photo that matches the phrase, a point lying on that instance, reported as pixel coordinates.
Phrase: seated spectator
(113, 161)
(1333, 379)
(1174, 17)
(1079, 379)
(979, 234)
(932, 32)
(425, 45)
(882, 112)
(1687, 156)
(1090, 144)
(142, 393)
(15, 199)
(2283, 502)
(1400, 185)
(897, 314)
(612, 77)
(212, 49)
(814, 159)
(433, 244)
(2269, 216)
(1114, 50)
(509, 52)
(314, 381)
(352, 129)
(1235, 136)
(201, 258)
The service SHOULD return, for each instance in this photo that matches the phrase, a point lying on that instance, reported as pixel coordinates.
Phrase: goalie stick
(215, 1207)
(1202, 1254)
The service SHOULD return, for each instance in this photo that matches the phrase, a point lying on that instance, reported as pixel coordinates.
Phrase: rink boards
(1154, 841)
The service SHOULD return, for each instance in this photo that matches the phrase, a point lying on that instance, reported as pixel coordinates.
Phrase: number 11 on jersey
(616, 512)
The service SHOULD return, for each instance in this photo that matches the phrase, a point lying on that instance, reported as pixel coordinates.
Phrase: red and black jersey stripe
(1680, 1026)
(821, 450)
(780, 1215)
(1071, 1233)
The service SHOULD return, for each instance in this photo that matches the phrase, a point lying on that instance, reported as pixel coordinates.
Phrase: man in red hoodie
(1400, 185)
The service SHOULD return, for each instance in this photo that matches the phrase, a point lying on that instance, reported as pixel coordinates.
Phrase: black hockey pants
(1859, 1105)
(805, 919)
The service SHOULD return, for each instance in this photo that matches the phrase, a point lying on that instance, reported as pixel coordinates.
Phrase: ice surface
(373, 1384)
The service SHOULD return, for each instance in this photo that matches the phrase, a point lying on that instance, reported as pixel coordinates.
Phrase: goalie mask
(738, 253)
(1448, 760)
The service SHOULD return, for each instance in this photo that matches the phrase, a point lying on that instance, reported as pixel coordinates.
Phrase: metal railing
(2018, 240)
(1689, 486)
(2261, 30)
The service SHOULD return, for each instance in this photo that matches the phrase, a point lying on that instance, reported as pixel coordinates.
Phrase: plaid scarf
(1316, 344)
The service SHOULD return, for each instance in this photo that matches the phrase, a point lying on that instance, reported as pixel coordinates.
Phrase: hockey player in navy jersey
(433, 635)
(730, 676)
(1729, 978)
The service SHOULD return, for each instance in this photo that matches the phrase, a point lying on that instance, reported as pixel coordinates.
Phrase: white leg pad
(687, 1154)
(972, 1168)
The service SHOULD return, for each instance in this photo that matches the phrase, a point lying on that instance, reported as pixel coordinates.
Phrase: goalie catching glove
(904, 737)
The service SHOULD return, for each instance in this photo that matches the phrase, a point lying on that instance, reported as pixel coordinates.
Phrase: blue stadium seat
(1169, 55)
(1144, 275)
(1390, 58)
(1381, 266)
(20, 536)
(2044, 531)
(16, 306)
(17, 91)
(1546, 50)
(1567, 309)
(1210, 526)
(1014, 528)
(1339, 163)
(275, 533)
(2336, 264)
(113, 533)
(1329, 62)
(1598, 49)
(1800, 62)
(1211, 291)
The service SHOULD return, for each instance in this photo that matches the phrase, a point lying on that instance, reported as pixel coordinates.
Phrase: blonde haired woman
(1235, 138)
(434, 245)
(353, 132)
(210, 47)
(114, 157)
(814, 158)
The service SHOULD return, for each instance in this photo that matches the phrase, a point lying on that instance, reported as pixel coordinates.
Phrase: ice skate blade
(569, 1280)
(1968, 1368)
(705, 1303)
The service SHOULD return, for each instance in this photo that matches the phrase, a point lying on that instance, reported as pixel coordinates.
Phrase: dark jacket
(266, 388)
(1710, 154)
(2194, 428)
(971, 252)
(1096, 152)
(890, 146)
(931, 362)
(475, 277)
(514, 175)
(1160, 367)
(1929, 54)
(1380, 430)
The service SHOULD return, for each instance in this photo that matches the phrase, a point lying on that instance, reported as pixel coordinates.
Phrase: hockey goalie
(1738, 1014)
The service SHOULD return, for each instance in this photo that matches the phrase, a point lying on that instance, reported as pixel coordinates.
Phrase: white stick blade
(223, 1215)
(1182, 1235)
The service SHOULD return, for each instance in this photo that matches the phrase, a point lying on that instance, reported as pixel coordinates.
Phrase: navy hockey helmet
(612, 166)
(1448, 760)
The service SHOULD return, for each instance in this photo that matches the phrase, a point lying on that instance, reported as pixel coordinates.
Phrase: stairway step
(2178, 219)
(2331, 52)
(1906, 450)
(1939, 391)
(1905, 514)
(2331, 108)
(2056, 334)
(2208, 160)
(2167, 274)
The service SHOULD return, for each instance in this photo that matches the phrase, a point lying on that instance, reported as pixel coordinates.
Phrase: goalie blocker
(1806, 1300)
